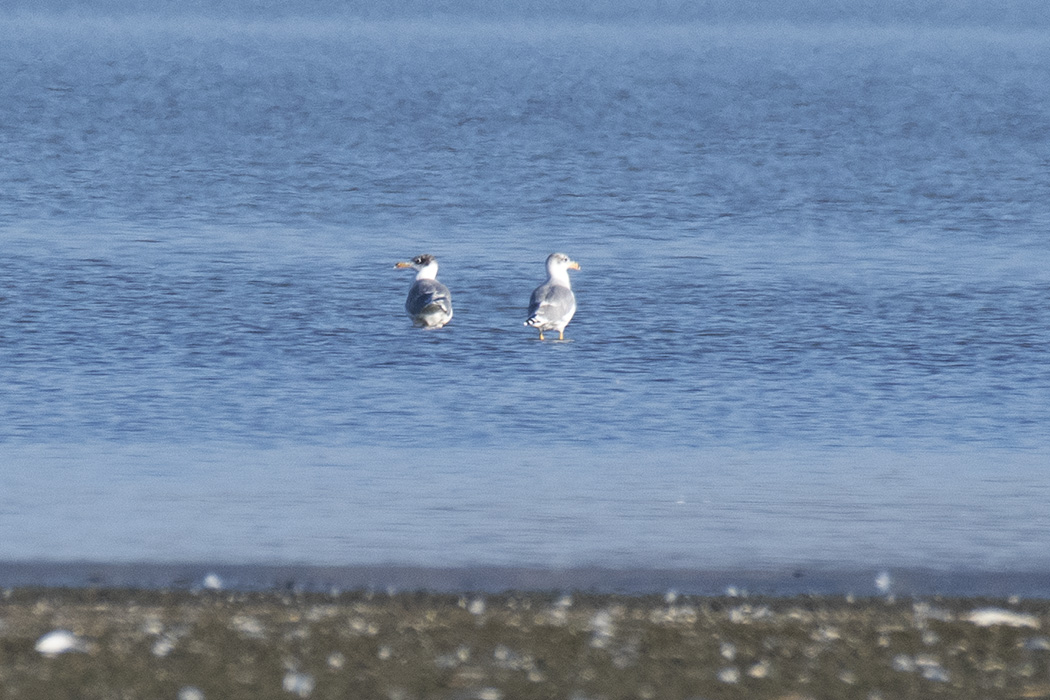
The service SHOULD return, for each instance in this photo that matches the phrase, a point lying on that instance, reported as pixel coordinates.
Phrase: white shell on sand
(987, 617)
(58, 642)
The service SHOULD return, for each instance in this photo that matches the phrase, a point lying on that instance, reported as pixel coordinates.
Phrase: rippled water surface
(814, 303)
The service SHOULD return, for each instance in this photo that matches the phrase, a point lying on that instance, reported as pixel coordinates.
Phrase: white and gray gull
(553, 304)
(429, 302)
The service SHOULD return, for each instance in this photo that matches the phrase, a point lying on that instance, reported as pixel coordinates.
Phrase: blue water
(814, 303)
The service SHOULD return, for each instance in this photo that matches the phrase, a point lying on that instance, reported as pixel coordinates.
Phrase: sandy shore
(185, 645)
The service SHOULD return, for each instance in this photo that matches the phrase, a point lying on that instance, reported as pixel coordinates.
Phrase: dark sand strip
(217, 644)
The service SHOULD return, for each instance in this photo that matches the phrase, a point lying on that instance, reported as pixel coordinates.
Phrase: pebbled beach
(193, 645)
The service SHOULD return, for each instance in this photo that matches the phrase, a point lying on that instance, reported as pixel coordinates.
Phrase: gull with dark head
(429, 302)
(553, 304)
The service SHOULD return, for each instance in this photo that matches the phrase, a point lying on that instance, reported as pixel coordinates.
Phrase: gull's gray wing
(427, 297)
(550, 304)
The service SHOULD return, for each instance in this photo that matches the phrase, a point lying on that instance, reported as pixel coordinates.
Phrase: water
(814, 321)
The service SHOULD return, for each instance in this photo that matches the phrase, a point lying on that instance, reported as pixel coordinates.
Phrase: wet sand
(192, 645)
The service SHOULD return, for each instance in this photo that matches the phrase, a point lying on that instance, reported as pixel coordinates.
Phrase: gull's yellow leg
(541, 335)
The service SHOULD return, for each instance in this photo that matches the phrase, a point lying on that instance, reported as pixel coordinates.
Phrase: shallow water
(814, 321)
(576, 507)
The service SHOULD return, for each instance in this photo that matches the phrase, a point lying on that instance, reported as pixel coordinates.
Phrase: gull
(429, 302)
(553, 303)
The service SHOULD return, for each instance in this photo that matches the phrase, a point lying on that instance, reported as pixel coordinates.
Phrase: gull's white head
(559, 264)
(426, 266)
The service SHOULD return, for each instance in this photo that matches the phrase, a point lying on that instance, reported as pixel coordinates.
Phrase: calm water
(814, 319)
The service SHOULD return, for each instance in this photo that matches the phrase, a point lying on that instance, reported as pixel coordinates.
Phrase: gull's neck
(559, 275)
(428, 272)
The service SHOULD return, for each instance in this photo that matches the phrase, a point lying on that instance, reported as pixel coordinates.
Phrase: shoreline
(799, 580)
(205, 644)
